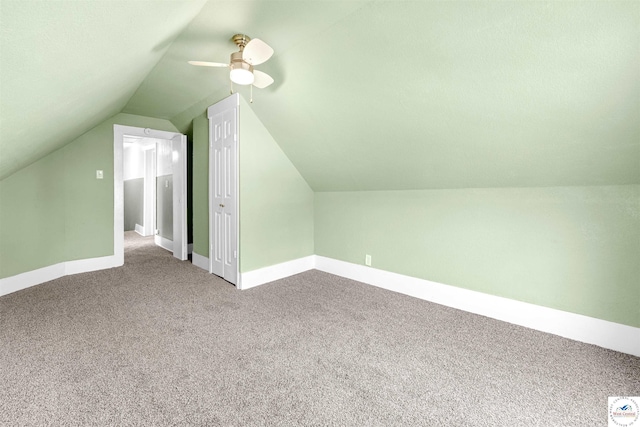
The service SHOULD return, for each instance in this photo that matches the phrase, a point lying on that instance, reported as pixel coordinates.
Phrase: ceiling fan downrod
(241, 40)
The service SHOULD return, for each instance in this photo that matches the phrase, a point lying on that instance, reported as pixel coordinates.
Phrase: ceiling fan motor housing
(240, 68)
(236, 61)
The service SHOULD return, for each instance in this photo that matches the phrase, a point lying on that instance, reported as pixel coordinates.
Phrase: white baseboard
(45, 274)
(31, 278)
(614, 336)
(163, 243)
(275, 272)
(91, 264)
(139, 229)
(168, 244)
(200, 261)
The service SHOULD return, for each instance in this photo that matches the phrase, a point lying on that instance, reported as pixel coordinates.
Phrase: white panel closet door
(229, 148)
(223, 184)
(216, 198)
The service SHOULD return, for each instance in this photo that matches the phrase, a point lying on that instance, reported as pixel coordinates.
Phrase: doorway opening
(141, 178)
(150, 172)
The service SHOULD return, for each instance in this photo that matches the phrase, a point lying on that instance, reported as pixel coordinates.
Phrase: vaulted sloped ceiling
(66, 66)
(369, 95)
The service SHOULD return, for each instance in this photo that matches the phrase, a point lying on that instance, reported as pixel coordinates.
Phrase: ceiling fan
(252, 52)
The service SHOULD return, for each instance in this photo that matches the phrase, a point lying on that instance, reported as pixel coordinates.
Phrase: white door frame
(231, 102)
(119, 133)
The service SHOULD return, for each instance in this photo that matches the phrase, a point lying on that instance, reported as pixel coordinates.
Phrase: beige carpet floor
(160, 342)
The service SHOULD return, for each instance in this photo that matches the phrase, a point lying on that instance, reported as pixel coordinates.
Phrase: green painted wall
(575, 249)
(55, 210)
(32, 211)
(276, 204)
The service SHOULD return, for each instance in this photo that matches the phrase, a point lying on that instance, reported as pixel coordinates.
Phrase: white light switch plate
(99, 174)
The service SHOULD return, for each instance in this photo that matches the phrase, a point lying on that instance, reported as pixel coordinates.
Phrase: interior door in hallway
(223, 184)
(179, 163)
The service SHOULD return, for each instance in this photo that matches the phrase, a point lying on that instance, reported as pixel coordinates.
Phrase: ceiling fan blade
(261, 80)
(208, 64)
(256, 52)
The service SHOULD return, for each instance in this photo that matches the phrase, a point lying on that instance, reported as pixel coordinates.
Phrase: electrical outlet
(367, 260)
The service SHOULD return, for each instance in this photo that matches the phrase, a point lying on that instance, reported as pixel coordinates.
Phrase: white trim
(118, 193)
(200, 261)
(275, 272)
(31, 278)
(614, 336)
(163, 243)
(139, 229)
(90, 264)
(45, 274)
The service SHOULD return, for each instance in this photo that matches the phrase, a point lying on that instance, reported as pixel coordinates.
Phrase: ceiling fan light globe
(241, 76)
